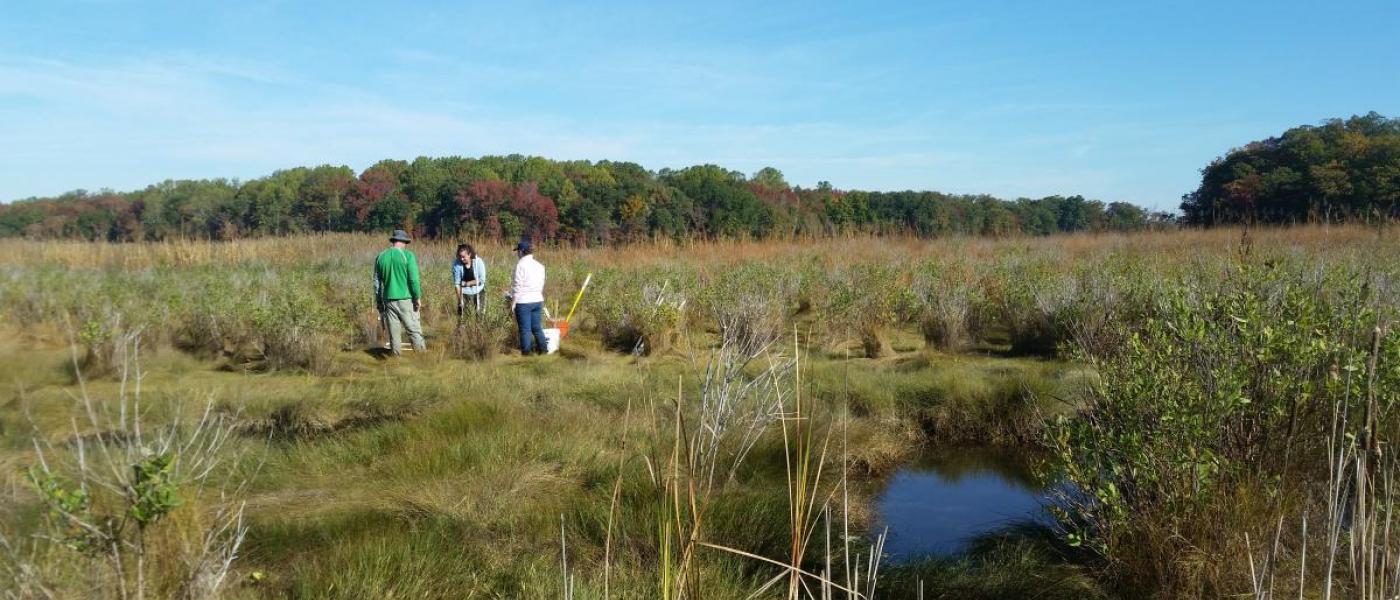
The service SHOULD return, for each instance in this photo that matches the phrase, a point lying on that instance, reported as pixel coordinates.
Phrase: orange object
(563, 324)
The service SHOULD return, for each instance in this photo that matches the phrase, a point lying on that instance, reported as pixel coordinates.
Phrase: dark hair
(468, 247)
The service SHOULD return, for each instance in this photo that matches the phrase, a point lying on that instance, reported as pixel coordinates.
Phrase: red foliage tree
(535, 211)
(482, 205)
(479, 203)
(130, 226)
(373, 186)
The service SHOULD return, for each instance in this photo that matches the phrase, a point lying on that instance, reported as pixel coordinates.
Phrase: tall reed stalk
(1360, 535)
(734, 411)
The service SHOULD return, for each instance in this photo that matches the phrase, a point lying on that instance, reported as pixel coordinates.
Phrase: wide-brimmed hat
(401, 236)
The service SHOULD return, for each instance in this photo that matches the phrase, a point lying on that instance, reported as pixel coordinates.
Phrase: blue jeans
(527, 316)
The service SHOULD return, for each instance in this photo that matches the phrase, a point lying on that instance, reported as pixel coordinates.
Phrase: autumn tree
(1340, 170)
(585, 202)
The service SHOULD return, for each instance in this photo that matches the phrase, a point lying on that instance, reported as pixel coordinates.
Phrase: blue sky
(1112, 100)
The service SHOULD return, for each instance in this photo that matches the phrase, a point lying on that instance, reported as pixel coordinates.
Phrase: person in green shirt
(397, 292)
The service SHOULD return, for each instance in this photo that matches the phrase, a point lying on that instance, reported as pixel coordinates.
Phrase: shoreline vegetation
(205, 419)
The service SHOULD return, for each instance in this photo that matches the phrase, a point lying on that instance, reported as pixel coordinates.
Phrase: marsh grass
(445, 474)
(424, 484)
(481, 337)
(1021, 561)
(958, 399)
(252, 301)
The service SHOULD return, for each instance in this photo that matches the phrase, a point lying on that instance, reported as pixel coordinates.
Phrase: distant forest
(1342, 170)
(579, 202)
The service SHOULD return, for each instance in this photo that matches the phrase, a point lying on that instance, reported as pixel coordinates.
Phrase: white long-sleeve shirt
(528, 285)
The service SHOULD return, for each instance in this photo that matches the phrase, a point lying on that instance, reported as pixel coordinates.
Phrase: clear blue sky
(1113, 100)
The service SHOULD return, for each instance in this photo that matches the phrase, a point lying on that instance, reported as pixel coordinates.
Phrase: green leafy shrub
(142, 509)
(99, 358)
(1034, 302)
(1212, 417)
(154, 493)
(214, 325)
(867, 301)
(643, 318)
(751, 301)
(292, 329)
(811, 285)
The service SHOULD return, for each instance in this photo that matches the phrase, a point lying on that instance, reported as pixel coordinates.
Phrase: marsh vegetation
(200, 419)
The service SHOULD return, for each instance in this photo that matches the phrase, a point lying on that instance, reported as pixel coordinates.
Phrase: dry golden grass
(1174, 245)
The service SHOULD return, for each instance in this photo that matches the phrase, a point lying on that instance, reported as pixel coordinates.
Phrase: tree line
(580, 202)
(1342, 170)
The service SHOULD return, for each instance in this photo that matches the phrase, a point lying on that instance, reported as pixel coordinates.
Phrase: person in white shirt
(527, 300)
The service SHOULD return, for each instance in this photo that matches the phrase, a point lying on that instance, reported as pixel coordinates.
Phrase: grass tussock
(1020, 562)
(481, 337)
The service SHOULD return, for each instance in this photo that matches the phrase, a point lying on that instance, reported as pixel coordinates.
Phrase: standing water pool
(937, 504)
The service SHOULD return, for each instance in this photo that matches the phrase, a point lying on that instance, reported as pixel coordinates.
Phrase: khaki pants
(398, 316)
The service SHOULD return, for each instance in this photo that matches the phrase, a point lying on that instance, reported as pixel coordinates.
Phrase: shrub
(102, 350)
(867, 301)
(1111, 298)
(1214, 417)
(147, 509)
(641, 319)
(749, 302)
(291, 328)
(944, 295)
(215, 325)
(1032, 300)
(811, 286)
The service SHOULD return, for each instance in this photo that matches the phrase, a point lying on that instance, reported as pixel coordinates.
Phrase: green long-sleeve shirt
(396, 276)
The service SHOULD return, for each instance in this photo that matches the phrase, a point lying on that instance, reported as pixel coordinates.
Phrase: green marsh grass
(446, 474)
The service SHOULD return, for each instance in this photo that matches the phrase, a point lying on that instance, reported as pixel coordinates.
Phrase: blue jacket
(478, 272)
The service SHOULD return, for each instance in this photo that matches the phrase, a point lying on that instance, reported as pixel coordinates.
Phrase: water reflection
(937, 504)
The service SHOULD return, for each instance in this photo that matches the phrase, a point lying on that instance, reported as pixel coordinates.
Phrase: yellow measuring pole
(578, 296)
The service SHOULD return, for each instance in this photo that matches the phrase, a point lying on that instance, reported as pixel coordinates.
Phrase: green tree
(770, 178)
(271, 201)
(321, 198)
(1340, 170)
(730, 207)
(1121, 216)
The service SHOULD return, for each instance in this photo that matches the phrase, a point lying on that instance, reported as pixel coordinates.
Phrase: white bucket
(551, 336)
